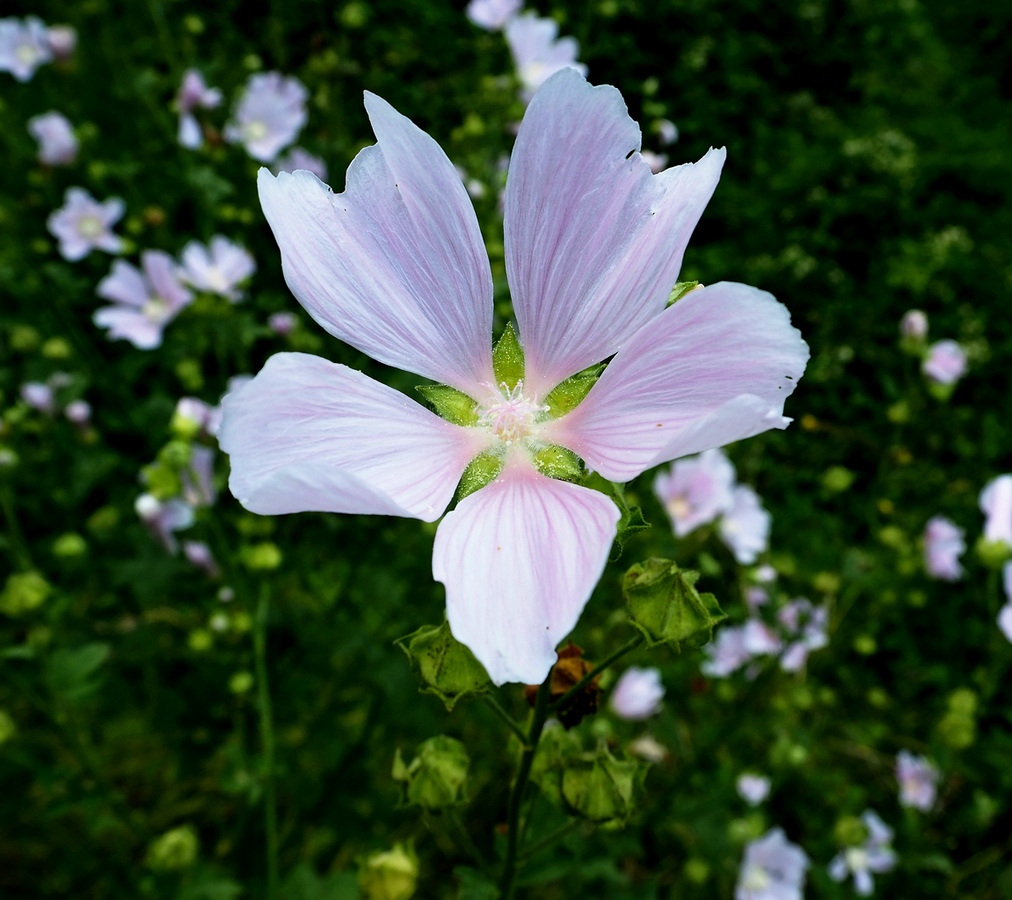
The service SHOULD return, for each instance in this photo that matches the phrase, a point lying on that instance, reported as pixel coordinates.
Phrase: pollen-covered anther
(510, 414)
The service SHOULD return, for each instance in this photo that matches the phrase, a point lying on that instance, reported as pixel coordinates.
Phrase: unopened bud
(437, 776)
(390, 875)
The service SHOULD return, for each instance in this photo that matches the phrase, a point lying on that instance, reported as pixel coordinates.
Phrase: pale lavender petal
(124, 284)
(697, 490)
(745, 528)
(307, 434)
(863, 882)
(943, 545)
(492, 15)
(396, 265)
(753, 789)
(638, 694)
(838, 868)
(594, 241)
(1005, 620)
(996, 503)
(163, 273)
(945, 362)
(519, 559)
(57, 143)
(1007, 578)
(190, 135)
(715, 367)
(131, 325)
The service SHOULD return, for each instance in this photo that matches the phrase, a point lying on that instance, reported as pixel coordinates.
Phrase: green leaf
(449, 403)
(304, 884)
(680, 289)
(69, 672)
(508, 359)
(569, 394)
(665, 605)
(445, 666)
(474, 885)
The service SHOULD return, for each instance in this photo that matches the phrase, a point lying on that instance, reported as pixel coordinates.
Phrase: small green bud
(354, 15)
(7, 727)
(560, 463)
(193, 24)
(963, 701)
(175, 454)
(865, 644)
(450, 404)
(8, 458)
(23, 592)
(189, 374)
(850, 831)
(666, 606)
(899, 412)
(697, 870)
(70, 546)
(162, 481)
(445, 666)
(837, 479)
(437, 776)
(261, 557)
(56, 348)
(508, 359)
(173, 851)
(826, 582)
(24, 338)
(680, 289)
(893, 537)
(200, 640)
(746, 829)
(993, 554)
(601, 788)
(240, 682)
(103, 520)
(390, 875)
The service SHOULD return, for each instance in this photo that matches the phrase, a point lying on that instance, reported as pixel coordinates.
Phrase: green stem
(267, 741)
(509, 870)
(544, 842)
(463, 837)
(19, 547)
(506, 719)
(597, 670)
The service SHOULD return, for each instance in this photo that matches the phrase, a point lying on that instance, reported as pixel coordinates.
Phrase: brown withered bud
(567, 671)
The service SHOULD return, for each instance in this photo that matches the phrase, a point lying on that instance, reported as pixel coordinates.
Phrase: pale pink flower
(78, 412)
(163, 519)
(805, 626)
(269, 116)
(193, 416)
(726, 653)
(996, 504)
(696, 491)
(656, 161)
(753, 789)
(667, 131)
(745, 527)
(758, 638)
(945, 362)
(144, 300)
(874, 855)
(765, 574)
(197, 553)
(298, 158)
(773, 869)
(62, 41)
(1005, 614)
(219, 268)
(57, 143)
(918, 781)
(538, 51)
(193, 94)
(638, 694)
(282, 323)
(24, 46)
(492, 15)
(943, 545)
(39, 396)
(914, 324)
(396, 266)
(83, 224)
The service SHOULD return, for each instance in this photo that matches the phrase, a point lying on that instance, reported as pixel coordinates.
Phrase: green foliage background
(868, 172)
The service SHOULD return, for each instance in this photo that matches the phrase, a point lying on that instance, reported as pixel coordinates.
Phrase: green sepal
(481, 470)
(450, 404)
(557, 745)
(680, 289)
(437, 777)
(558, 462)
(631, 520)
(569, 394)
(665, 605)
(508, 359)
(602, 789)
(444, 666)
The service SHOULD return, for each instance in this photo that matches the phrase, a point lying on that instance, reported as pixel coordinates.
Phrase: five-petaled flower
(83, 224)
(396, 266)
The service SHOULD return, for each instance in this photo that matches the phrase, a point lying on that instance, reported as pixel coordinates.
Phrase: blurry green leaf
(304, 884)
(70, 673)
(474, 886)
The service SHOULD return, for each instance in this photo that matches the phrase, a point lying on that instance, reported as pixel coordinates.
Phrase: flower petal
(594, 240)
(124, 284)
(308, 434)
(519, 559)
(714, 368)
(396, 265)
(129, 324)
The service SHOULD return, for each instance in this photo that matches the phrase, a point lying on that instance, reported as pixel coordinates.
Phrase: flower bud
(601, 788)
(445, 666)
(175, 850)
(666, 606)
(993, 554)
(437, 776)
(390, 875)
(23, 592)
